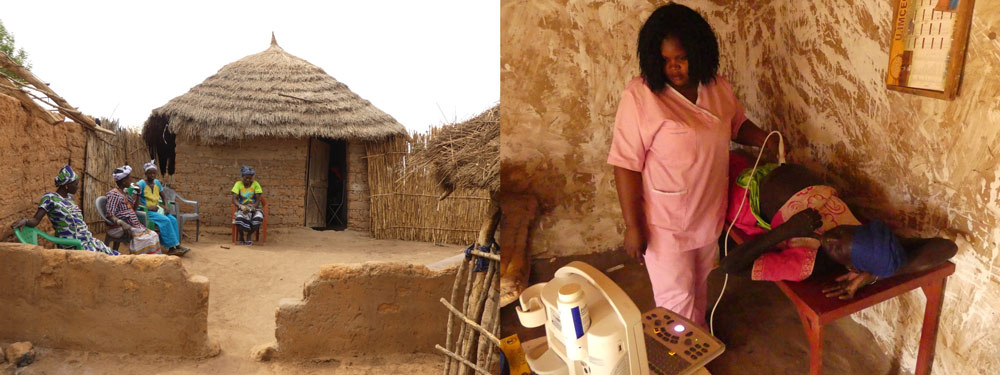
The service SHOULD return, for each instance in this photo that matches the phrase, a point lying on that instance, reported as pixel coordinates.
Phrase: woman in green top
(247, 196)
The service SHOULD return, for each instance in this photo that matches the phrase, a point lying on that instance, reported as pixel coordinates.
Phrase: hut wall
(31, 153)
(358, 194)
(206, 173)
(814, 70)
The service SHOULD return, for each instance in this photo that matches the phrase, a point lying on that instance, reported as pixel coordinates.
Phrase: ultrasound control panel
(675, 345)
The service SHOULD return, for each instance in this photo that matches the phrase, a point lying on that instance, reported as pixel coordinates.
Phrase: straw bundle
(273, 94)
(465, 155)
(404, 201)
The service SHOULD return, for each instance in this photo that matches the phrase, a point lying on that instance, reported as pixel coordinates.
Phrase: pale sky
(423, 62)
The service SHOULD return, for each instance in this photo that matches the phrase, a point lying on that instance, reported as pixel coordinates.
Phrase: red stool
(263, 225)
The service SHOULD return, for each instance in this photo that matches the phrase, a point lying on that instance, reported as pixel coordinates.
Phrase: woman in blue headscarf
(65, 216)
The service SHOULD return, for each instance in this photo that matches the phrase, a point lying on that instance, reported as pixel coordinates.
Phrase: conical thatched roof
(273, 94)
(465, 155)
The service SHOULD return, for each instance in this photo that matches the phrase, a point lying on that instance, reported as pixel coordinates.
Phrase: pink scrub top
(682, 150)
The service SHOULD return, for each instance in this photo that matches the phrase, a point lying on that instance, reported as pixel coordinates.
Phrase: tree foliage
(16, 54)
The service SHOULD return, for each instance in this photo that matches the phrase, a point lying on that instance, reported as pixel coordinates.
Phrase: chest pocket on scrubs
(672, 153)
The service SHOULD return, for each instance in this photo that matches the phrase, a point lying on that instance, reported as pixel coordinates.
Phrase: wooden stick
(465, 307)
(494, 328)
(31, 105)
(474, 325)
(489, 316)
(296, 97)
(490, 256)
(447, 338)
(469, 342)
(462, 360)
(14, 67)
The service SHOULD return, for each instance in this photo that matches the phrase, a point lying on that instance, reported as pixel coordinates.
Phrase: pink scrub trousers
(680, 279)
(682, 151)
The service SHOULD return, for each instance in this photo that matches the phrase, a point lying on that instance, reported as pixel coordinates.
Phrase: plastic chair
(263, 225)
(172, 199)
(29, 235)
(102, 209)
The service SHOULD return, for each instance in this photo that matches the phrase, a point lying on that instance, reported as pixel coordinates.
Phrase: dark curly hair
(694, 34)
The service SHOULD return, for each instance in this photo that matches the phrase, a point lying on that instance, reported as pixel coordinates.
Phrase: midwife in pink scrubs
(671, 156)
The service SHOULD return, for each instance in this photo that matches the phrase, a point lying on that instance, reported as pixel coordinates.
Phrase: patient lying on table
(804, 216)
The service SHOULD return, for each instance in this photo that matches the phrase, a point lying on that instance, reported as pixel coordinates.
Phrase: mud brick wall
(358, 196)
(31, 153)
(206, 173)
(81, 300)
(372, 308)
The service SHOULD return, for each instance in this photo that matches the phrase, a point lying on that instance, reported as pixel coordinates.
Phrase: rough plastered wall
(813, 69)
(206, 173)
(81, 300)
(372, 308)
(358, 194)
(31, 153)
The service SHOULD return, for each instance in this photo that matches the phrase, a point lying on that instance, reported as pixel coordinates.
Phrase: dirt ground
(758, 324)
(246, 284)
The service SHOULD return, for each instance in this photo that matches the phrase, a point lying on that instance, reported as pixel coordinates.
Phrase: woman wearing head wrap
(65, 216)
(807, 216)
(247, 196)
(149, 197)
(121, 212)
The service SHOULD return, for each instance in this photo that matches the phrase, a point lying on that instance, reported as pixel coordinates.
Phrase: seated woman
(65, 216)
(247, 196)
(805, 215)
(120, 210)
(149, 197)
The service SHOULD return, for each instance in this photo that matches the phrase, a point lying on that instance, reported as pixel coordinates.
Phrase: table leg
(814, 333)
(928, 334)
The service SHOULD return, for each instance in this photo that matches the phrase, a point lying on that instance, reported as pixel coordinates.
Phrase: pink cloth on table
(797, 258)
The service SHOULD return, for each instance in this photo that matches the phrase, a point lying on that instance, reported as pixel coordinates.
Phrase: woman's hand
(849, 283)
(19, 224)
(635, 243)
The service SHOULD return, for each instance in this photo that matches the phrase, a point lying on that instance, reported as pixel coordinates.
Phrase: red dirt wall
(31, 153)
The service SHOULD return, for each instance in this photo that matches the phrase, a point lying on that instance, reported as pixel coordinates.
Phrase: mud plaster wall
(207, 174)
(372, 308)
(358, 194)
(31, 153)
(815, 71)
(81, 300)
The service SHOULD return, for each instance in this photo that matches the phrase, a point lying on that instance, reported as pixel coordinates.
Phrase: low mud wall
(371, 309)
(82, 300)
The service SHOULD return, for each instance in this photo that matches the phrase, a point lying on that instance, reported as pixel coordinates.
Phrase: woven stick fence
(405, 204)
(104, 154)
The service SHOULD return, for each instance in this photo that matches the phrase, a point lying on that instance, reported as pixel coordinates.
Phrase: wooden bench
(816, 310)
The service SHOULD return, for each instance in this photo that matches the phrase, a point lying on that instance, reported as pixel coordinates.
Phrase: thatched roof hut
(467, 154)
(303, 131)
(272, 94)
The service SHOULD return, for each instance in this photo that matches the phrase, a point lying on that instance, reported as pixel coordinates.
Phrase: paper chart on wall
(922, 43)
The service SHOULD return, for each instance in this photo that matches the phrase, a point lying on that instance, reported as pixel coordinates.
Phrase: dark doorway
(336, 197)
